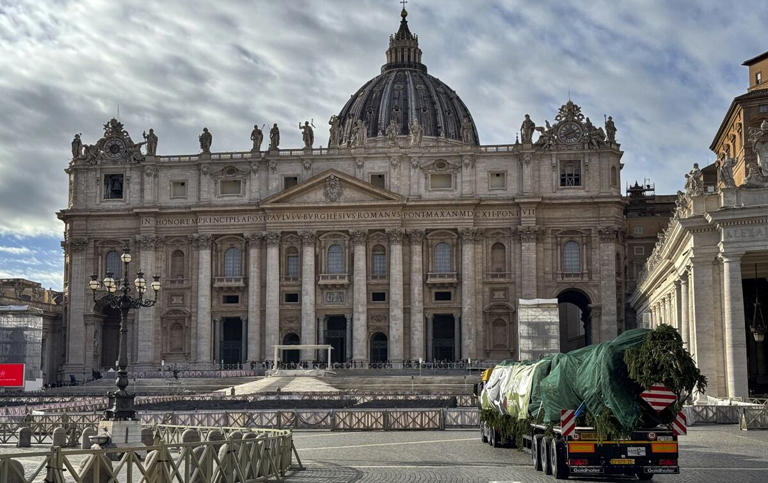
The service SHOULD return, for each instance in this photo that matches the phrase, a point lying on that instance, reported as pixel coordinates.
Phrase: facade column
(254, 296)
(684, 310)
(468, 346)
(203, 242)
(77, 286)
(702, 322)
(308, 328)
(146, 316)
(609, 319)
(417, 294)
(359, 297)
(734, 327)
(528, 261)
(395, 295)
(676, 304)
(272, 313)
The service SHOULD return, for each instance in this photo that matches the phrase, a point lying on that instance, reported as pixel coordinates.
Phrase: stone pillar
(77, 286)
(146, 316)
(272, 325)
(467, 175)
(676, 304)
(203, 242)
(308, 329)
(417, 294)
(254, 296)
(684, 309)
(468, 346)
(609, 319)
(734, 327)
(359, 297)
(528, 262)
(664, 310)
(415, 174)
(702, 322)
(395, 295)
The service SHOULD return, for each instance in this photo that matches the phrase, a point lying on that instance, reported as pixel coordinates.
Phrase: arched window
(177, 264)
(335, 259)
(442, 258)
(498, 258)
(571, 257)
(379, 262)
(112, 264)
(292, 263)
(233, 266)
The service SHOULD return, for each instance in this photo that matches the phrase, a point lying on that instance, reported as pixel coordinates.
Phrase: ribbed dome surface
(404, 92)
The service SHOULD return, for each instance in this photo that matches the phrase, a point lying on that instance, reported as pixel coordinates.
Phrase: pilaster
(272, 326)
(148, 349)
(204, 322)
(308, 328)
(254, 296)
(608, 320)
(395, 295)
(734, 324)
(359, 298)
(468, 346)
(417, 294)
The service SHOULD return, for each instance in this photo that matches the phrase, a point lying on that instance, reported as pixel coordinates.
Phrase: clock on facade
(569, 132)
(114, 148)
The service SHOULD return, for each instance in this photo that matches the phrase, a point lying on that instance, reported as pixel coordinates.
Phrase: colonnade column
(254, 296)
(702, 322)
(146, 316)
(417, 294)
(272, 326)
(468, 348)
(684, 310)
(733, 325)
(395, 295)
(359, 298)
(203, 242)
(308, 328)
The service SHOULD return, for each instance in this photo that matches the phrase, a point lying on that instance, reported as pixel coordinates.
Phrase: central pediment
(332, 187)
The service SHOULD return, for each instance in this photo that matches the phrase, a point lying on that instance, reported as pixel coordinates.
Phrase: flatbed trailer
(647, 452)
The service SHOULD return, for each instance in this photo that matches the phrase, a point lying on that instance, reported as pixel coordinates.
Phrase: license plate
(636, 451)
(587, 436)
(622, 461)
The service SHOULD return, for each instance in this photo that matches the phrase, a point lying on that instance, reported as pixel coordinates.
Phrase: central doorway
(336, 337)
(289, 355)
(443, 337)
(110, 337)
(378, 347)
(575, 320)
(231, 340)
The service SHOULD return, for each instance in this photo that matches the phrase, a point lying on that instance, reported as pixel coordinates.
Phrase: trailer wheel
(483, 437)
(557, 458)
(536, 451)
(642, 476)
(546, 462)
(495, 438)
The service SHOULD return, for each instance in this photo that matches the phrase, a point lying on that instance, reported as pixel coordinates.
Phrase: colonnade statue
(307, 135)
(274, 138)
(257, 136)
(206, 139)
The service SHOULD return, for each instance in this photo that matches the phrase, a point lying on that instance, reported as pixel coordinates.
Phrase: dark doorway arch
(378, 347)
(336, 336)
(110, 337)
(232, 340)
(288, 354)
(443, 337)
(575, 319)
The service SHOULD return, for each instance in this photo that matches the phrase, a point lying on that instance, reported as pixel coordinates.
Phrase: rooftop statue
(257, 136)
(359, 133)
(467, 131)
(725, 172)
(416, 132)
(527, 129)
(694, 181)
(77, 147)
(274, 138)
(334, 138)
(206, 139)
(610, 130)
(151, 141)
(393, 129)
(307, 135)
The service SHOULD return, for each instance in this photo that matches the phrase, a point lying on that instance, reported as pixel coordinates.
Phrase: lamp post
(117, 297)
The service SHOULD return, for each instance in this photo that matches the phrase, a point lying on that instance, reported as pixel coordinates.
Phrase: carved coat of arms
(333, 189)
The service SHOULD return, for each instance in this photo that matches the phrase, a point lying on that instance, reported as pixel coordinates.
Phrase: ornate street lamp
(757, 326)
(117, 297)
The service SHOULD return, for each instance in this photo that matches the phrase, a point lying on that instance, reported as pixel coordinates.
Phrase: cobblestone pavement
(707, 454)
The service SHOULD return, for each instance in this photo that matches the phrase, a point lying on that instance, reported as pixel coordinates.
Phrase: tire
(483, 437)
(557, 457)
(644, 476)
(495, 438)
(546, 463)
(536, 451)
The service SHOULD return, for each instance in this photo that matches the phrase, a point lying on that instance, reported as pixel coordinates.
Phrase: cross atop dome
(404, 49)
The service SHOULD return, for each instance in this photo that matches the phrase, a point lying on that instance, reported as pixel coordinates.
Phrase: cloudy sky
(666, 71)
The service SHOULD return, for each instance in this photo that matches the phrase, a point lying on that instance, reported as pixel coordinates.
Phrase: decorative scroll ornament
(115, 146)
(333, 189)
(569, 112)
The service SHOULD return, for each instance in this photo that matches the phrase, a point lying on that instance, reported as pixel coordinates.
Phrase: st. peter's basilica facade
(405, 239)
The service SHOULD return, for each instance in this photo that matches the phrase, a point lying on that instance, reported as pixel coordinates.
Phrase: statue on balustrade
(274, 138)
(77, 147)
(257, 136)
(333, 135)
(206, 139)
(527, 129)
(151, 141)
(307, 135)
(610, 130)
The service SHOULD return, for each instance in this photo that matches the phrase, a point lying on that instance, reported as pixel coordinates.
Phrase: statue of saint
(151, 140)
(393, 130)
(77, 147)
(467, 132)
(206, 139)
(725, 172)
(610, 130)
(416, 132)
(694, 181)
(527, 129)
(359, 133)
(307, 135)
(333, 134)
(274, 138)
(257, 136)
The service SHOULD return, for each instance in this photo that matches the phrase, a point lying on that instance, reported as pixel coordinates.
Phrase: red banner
(11, 375)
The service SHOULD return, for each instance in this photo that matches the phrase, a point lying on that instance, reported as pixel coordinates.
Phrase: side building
(405, 239)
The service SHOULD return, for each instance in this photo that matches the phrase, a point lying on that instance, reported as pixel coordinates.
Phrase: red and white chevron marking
(567, 421)
(658, 396)
(680, 424)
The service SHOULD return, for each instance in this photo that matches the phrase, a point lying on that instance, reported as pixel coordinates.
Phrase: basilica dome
(404, 92)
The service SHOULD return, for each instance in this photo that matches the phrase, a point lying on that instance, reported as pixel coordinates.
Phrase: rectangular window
(291, 297)
(638, 230)
(758, 77)
(113, 186)
(178, 189)
(443, 296)
(379, 265)
(497, 180)
(289, 181)
(378, 181)
(639, 251)
(764, 108)
(231, 299)
(293, 266)
(378, 296)
(230, 187)
(570, 173)
(440, 181)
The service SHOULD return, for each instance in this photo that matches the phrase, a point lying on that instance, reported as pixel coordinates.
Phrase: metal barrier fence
(753, 418)
(711, 414)
(245, 456)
